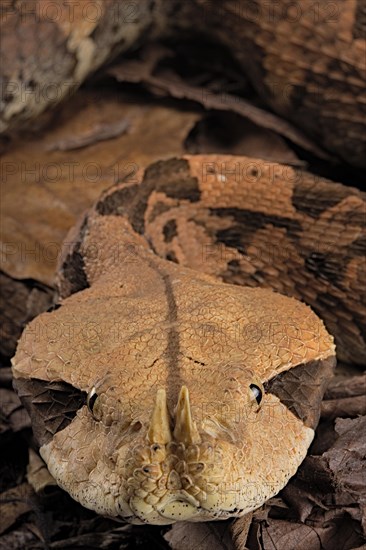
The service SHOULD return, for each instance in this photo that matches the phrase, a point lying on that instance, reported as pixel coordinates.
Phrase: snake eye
(91, 399)
(256, 393)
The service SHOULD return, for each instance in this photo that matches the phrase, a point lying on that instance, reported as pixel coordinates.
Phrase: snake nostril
(136, 427)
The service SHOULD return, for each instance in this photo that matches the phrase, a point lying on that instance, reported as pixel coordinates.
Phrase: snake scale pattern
(171, 382)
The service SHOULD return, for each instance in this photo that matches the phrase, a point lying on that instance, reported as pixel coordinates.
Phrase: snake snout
(172, 472)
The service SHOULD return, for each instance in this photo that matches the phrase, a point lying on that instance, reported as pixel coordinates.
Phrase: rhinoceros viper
(171, 382)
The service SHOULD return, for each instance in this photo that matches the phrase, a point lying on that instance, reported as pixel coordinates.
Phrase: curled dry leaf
(57, 186)
(100, 132)
(37, 474)
(346, 460)
(147, 70)
(239, 530)
(20, 303)
(14, 503)
(345, 395)
(13, 416)
(200, 536)
(220, 132)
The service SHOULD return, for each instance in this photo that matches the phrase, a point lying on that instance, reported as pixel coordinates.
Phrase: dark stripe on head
(172, 351)
(51, 405)
(302, 388)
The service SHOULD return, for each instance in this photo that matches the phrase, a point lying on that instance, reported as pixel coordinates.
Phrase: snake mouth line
(178, 507)
(181, 507)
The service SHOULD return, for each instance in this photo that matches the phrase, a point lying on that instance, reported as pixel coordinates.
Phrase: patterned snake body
(166, 386)
(160, 393)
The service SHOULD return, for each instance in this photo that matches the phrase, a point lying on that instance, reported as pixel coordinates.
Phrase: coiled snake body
(167, 386)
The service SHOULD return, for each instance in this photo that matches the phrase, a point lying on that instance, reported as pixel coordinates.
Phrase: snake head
(159, 394)
(225, 456)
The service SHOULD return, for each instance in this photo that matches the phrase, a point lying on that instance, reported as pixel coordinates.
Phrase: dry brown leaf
(169, 83)
(38, 475)
(200, 536)
(232, 134)
(283, 534)
(345, 395)
(5, 377)
(337, 533)
(18, 540)
(13, 416)
(44, 192)
(20, 303)
(346, 406)
(14, 503)
(116, 538)
(239, 530)
(347, 386)
(329, 491)
(100, 132)
(324, 529)
(346, 460)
